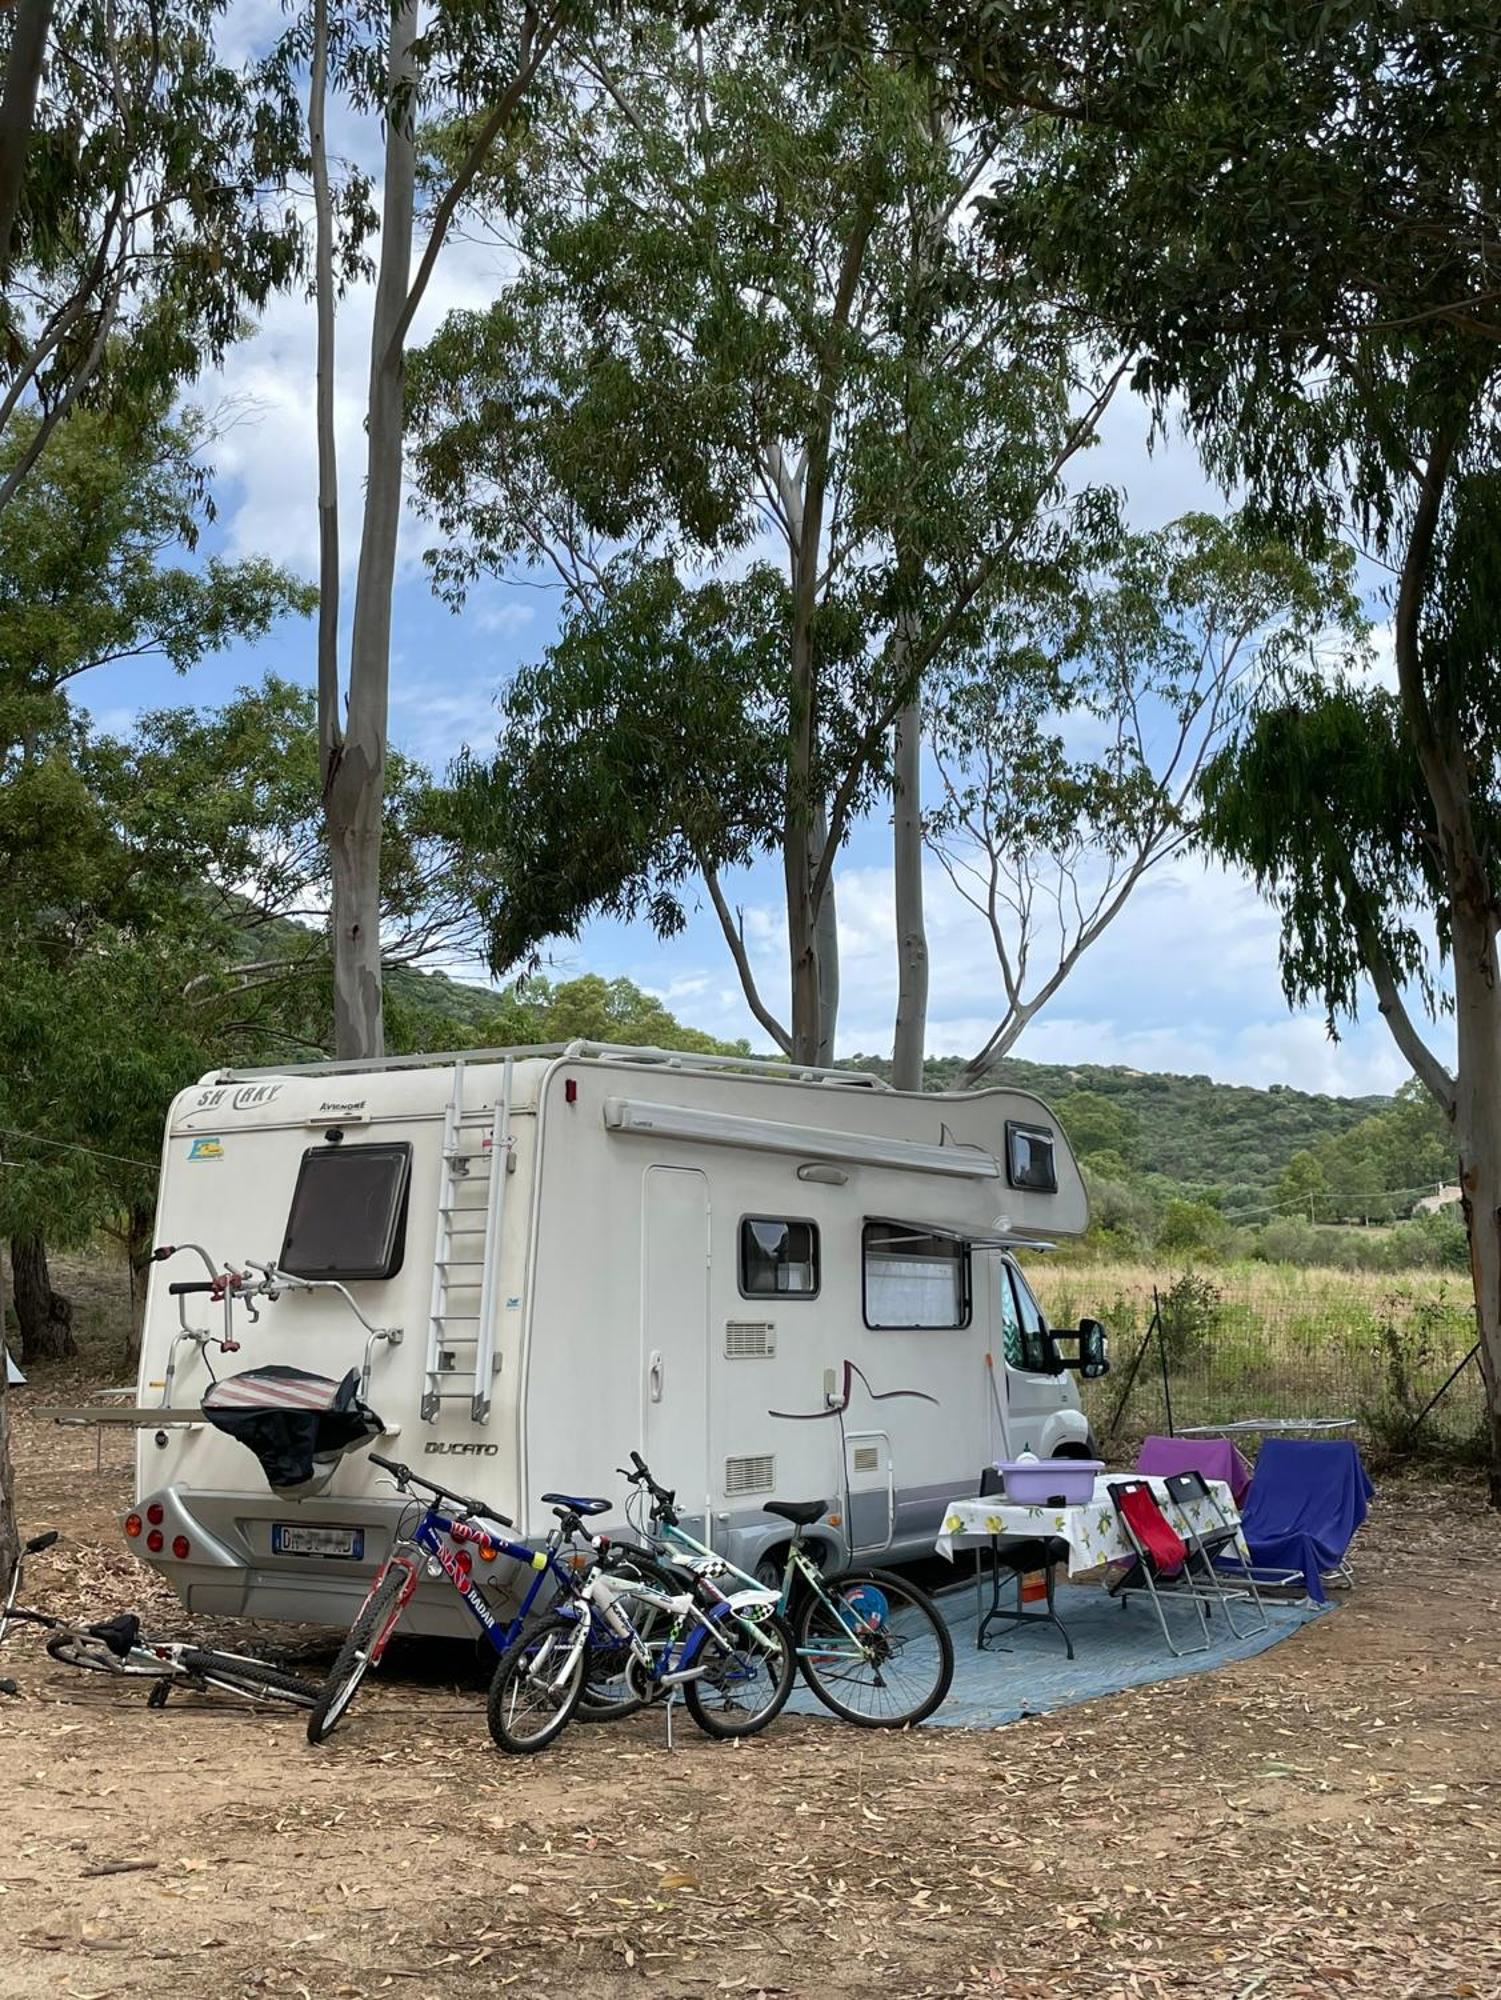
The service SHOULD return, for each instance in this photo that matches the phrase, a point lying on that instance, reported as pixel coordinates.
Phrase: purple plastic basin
(1034, 1482)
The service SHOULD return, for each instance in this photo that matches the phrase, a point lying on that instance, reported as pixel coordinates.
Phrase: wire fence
(1214, 1346)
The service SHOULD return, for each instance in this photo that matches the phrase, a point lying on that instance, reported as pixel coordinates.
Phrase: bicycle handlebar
(664, 1496)
(180, 1287)
(404, 1476)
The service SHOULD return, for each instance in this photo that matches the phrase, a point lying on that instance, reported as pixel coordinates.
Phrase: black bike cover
(298, 1425)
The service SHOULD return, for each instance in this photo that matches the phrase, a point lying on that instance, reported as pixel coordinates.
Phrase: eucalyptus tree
(1287, 214)
(472, 67)
(758, 403)
(141, 211)
(1070, 766)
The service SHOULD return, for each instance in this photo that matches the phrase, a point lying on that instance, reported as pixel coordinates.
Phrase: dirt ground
(1320, 1820)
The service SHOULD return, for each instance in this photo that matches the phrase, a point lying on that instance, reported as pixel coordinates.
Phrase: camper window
(778, 1259)
(349, 1212)
(1038, 1354)
(914, 1278)
(1030, 1161)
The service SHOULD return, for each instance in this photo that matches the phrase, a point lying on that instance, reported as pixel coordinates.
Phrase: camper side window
(914, 1278)
(778, 1259)
(349, 1212)
(1030, 1159)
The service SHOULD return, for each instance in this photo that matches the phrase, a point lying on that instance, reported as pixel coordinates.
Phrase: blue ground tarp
(1114, 1649)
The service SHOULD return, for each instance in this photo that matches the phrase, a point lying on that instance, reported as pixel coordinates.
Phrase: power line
(72, 1146)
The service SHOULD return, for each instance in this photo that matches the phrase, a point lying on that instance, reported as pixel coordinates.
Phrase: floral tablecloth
(1092, 1529)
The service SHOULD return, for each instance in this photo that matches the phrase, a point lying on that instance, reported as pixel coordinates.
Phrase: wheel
(259, 1679)
(369, 1631)
(529, 1706)
(611, 1692)
(747, 1687)
(878, 1653)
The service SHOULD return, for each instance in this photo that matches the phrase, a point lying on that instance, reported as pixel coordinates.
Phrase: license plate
(293, 1539)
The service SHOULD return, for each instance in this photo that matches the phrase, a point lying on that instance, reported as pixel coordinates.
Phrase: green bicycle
(873, 1647)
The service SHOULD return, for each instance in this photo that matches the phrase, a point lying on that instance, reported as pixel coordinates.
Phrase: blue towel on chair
(1308, 1496)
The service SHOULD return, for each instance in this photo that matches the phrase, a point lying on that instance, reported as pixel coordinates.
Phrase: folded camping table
(1091, 1528)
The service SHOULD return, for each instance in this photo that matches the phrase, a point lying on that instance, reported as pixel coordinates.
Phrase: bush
(1192, 1225)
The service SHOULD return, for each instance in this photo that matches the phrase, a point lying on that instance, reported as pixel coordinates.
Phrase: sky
(1186, 980)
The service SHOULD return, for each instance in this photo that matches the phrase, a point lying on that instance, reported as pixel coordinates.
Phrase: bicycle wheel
(536, 1689)
(876, 1650)
(746, 1687)
(612, 1692)
(257, 1679)
(372, 1623)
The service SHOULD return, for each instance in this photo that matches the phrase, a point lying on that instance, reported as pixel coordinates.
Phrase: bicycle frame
(668, 1535)
(428, 1545)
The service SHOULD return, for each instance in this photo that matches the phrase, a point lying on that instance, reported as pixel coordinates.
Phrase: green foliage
(1096, 1125)
(749, 307)
(589, 1008)
(1191, 1226)
(149, 221)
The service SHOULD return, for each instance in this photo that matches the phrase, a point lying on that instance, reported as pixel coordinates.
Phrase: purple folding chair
(1215, 1458)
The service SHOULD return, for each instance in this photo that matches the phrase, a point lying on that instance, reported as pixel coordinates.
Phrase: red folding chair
(1159, 1567)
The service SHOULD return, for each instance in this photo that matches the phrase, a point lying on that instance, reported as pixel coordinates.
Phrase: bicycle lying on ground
(118, 1646)
(872, 1646)
(729, 1655)
(450, 1532)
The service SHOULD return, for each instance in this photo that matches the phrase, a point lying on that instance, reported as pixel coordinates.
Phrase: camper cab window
(778, 1259)
(349, 1212)
(1030, 1160)
(914, 1278)
(1034, 1349)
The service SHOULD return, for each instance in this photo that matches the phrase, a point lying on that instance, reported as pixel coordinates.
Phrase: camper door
(675, 1332)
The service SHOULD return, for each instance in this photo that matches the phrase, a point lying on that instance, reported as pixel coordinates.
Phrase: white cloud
(1185, 981)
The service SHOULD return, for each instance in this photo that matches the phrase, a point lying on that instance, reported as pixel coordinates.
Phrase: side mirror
(1094, 1350)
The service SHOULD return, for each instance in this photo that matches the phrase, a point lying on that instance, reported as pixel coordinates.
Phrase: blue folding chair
(1308, 1497)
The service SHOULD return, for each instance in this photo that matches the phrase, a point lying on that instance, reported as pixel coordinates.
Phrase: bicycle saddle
(801, 1513)
(119, 1633)
(576, 1504)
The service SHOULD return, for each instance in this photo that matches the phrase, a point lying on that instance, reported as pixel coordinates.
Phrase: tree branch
(735, 938)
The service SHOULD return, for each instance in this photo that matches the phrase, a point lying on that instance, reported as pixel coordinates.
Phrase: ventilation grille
(750, 1475)
(750, 1339)
(867, 1458)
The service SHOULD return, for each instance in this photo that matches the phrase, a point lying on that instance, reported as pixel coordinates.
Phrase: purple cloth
(1216, 1458)
(1307, 1499)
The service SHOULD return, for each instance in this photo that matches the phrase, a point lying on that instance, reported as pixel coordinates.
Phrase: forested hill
(1186, 1128)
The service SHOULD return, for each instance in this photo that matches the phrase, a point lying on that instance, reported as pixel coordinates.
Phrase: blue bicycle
(457, 1536)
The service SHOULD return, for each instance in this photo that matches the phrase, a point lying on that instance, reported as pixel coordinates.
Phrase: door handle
(654, 1375)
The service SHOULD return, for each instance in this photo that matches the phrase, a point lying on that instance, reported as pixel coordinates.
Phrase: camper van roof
(607, 1052)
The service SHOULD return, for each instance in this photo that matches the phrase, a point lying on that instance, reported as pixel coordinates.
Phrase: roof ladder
(466, 1255)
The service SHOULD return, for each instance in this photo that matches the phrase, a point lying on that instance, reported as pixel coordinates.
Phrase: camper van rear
(776, 1284)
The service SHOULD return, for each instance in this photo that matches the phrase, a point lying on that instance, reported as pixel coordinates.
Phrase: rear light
(154, 1541)
(182, 1548)
(133, 1525)
(156, 1513)
(462, 1568)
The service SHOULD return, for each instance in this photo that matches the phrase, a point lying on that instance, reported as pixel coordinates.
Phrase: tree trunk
(355, 798)
(826, 952)
(23, 73)
(911, 930)
(9, 1542)
(45, 1317)
(140, 1235)
(1477, 1121)
(330, 721)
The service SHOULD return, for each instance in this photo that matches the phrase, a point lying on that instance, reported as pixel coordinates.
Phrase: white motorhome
(553, 1256)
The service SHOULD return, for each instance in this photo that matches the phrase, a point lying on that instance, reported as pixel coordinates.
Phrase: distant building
(1430, 1204)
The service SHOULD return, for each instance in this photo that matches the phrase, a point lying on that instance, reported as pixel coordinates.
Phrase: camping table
(1091, 1528)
